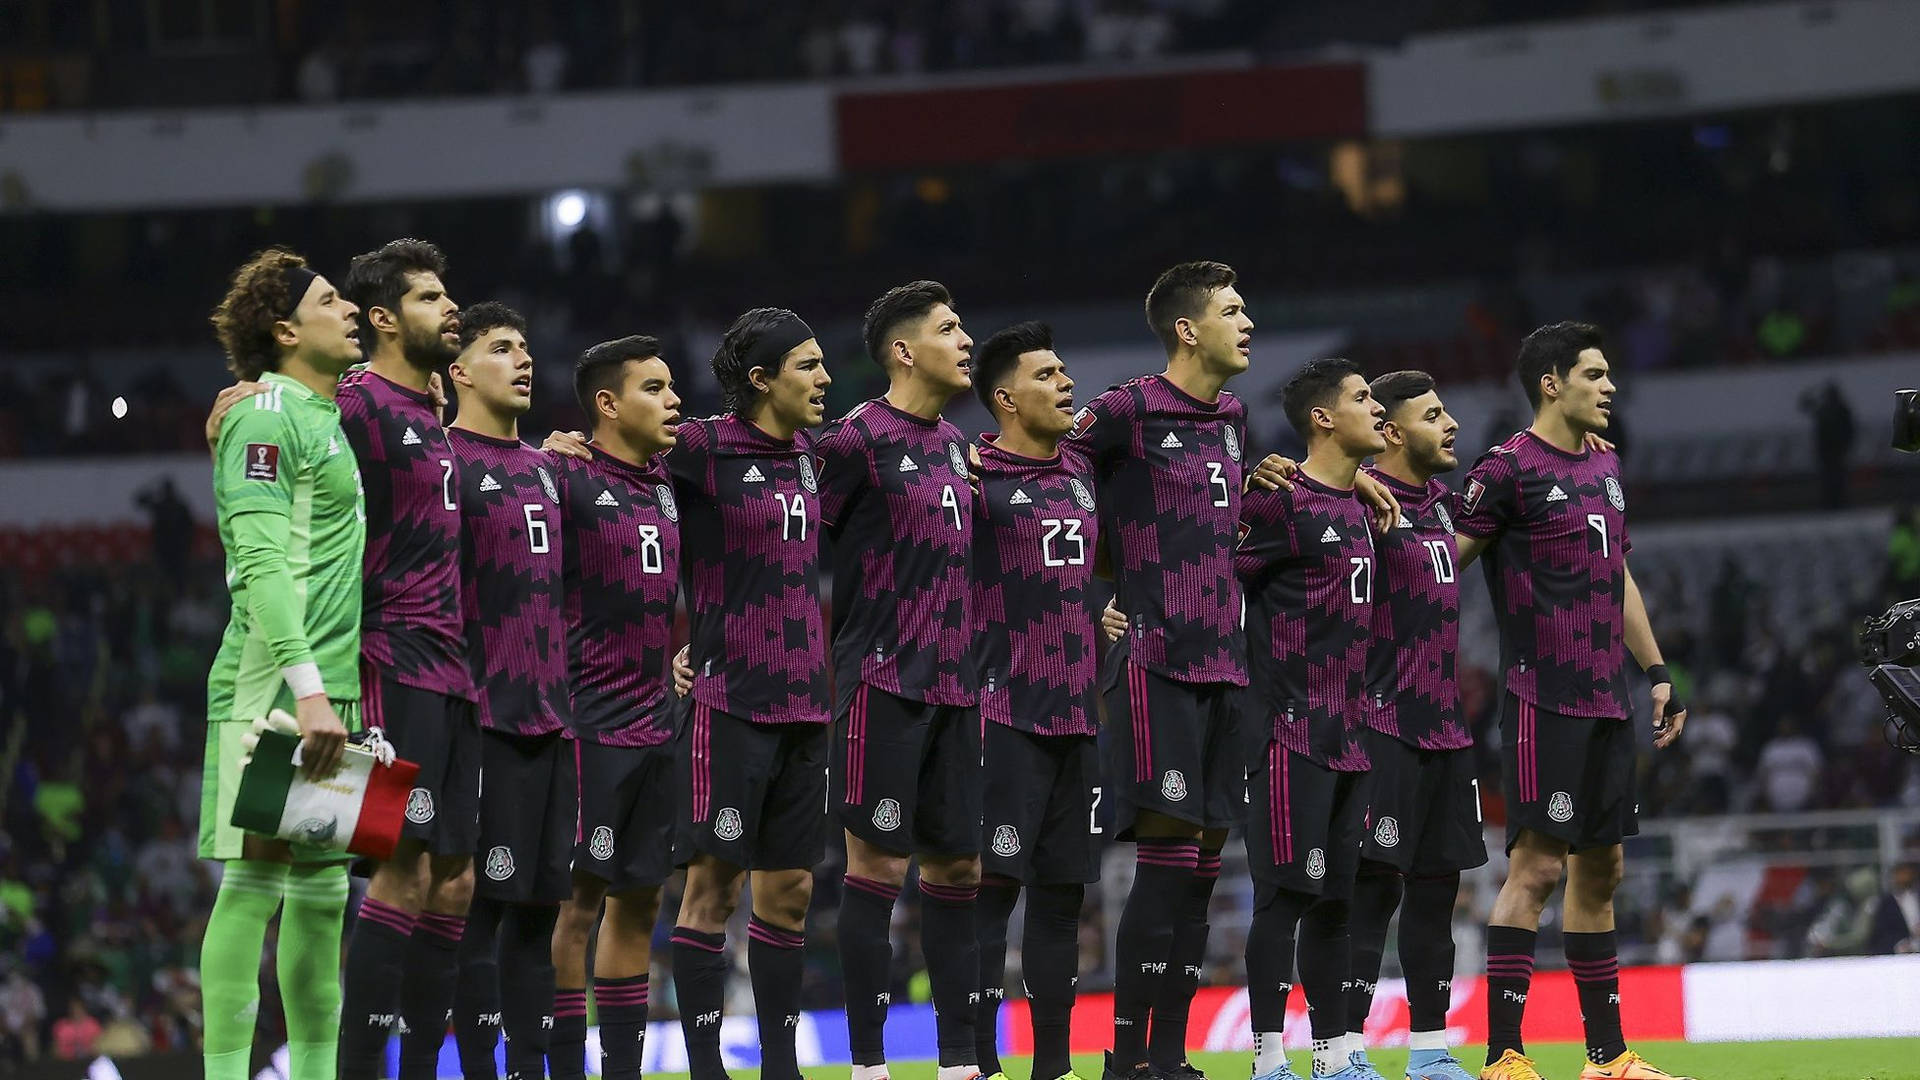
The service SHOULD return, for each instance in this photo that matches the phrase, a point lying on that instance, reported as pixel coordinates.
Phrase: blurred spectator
(1710, 740)
(1841, 927)
(1789, 768)
(1903, 553)
(171, 521)
(1834, 433)
(22, 1010)
(77, 1034)
(1896, 916)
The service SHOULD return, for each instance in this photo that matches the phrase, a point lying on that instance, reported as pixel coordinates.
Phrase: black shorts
(1568, 777)
(906, 775)
(529, 817)
(1176, 749)
(1041, 794)
(752, 795)
(441, 734)
(1424, 808)
(627, 814)
(1303, 832)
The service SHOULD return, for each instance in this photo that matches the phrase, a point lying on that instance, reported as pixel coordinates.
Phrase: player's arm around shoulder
(1486, 505)
(843, 458)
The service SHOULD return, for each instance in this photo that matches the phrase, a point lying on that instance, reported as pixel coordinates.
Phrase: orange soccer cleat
(1513, 1065)
(1628, 1066)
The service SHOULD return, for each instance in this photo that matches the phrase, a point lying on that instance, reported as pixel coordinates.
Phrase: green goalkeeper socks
(230, 963)
(309, 962)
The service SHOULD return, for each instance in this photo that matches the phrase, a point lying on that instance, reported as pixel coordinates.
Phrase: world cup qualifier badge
(601, 845)
(1615, 495)
(807, 479)
(1173, 785)
(886, 816)
(1006, 841)
(1560, 807)
(726, 824)
(1080, 493)
(500, 863)
(663, 495)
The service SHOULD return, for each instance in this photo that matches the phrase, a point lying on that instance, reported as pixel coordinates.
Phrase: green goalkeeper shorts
(220, 787)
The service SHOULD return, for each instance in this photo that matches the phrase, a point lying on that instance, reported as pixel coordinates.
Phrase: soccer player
(511, 599)
(621, 564)
(754, 759)
(293, 524)
(895, 496)
(1549, 514)
(1035, 535)
(1306, 559)
(1424, 795)
(415, 684)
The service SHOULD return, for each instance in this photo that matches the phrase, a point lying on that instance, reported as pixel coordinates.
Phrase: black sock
(866, 964)
(1162, 874)
(1376, 892)
(1509, 974)
(776, 964)
(998, 896)
(622, 1004)
(370, 991)
(1426, 948)
(526, 993)
(426, 992)
(567, 1047)
(1276, 920)
(1595, 960)
(1186, 963)
(700, 982)
(476, 996)
(948, 941)
(1050, 955)
(1323, 967)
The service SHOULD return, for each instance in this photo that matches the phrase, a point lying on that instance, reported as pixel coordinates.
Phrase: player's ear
(902, 353)
(1183, 329)
(381, 318)
(456, 372)
(757, 378)
(286, 333)
(1004, 397)
(605, 404)
(1392, 432)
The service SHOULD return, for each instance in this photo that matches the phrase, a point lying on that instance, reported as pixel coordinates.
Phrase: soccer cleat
(1628, 1066)
(1513, 1065)
(1284, 1072)
(1361, 1068)
(1068, 1076)
(1142, 1071)
(1441, 1068)
(1183, 1071)
(999, 1076)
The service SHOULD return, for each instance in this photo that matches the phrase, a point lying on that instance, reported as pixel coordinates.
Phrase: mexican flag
(359, 810)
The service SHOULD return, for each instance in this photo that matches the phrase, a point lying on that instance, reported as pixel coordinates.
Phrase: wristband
(304, 680)
(1658, 674)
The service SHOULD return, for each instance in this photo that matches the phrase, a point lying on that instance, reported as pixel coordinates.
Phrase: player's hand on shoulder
(1273, 473)
(1597, 445)
(323, 738)
(437, 391)
(1380, 500)
(225, 401)
(973, 466)
(1113, 621)
(683, 671)
(571, 444)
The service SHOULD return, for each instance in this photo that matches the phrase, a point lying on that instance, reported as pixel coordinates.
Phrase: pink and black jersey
(410, 624)
(1034, 537)
(622, 566)
(1416, 622)
(1168, 471)
(511, 582)
(750, 543)
(1557, 571)
(1306, 558)
(895, 497)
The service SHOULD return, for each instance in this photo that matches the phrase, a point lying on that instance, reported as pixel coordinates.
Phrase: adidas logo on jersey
(1171, 442)
(488, 483)
(754, 475)
(1556, 495)
(1019, 498)
(907, 465)
(1331, 536)
(606, 499)
(411, 438)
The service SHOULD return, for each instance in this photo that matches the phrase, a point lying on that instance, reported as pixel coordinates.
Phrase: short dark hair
(1396, 388)
(243, 322)
(1554, 348)
(731, 360)
(1182, 293)
(599, 368)
(1315, 386)
(488, 315)
(378, 278)
(995, 361)
(895, 306)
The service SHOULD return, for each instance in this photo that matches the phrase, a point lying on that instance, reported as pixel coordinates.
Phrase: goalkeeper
(293, 524)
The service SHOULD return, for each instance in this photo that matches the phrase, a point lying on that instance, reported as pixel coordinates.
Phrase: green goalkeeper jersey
(293, 522)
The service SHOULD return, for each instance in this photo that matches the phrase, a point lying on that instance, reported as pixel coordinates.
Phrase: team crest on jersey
(419, 806)
(886, 816)
(807, 479)
(1471, 501)
(1446, 519)
(500, 863)
(546, 481)
(1006, 841)
(1080, 493)
(1173, 785)
(1233, 442)
(663, 495)
(726, 824)
(957, 459)
(1387, 832)
(1316, 864)
(1614, 495)
(601, 845)
(1560, 807)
